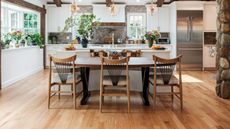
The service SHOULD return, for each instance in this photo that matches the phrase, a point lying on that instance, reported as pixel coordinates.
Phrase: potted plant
(35, 39)
(15, 37)
(84, 25)
(151, 36)
(6, 41)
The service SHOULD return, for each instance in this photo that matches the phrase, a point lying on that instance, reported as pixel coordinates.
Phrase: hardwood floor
(24, 106)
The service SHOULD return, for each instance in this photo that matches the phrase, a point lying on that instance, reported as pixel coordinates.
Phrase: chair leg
(128, 95)
(181, 98)
(154, 97)
(49, 97)
(59, 89)
(101, 97)
(172, 96)
(74, 95)
(72, 90)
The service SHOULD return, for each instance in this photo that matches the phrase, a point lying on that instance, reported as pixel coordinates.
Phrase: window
(30, 23)
(4, 22)
(136, 25)
(17, 18)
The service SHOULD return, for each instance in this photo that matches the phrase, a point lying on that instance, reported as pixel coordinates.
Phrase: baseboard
(15, 79)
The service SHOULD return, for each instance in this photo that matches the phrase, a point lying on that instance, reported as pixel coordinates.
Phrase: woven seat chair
(66, 72)
(112, 82)
(163, 76)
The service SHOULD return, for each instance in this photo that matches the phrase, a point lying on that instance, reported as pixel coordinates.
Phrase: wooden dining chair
(163, 77)
(66, 74)
(111, 77)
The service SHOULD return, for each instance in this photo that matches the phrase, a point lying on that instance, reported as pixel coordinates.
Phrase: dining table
(87, 63)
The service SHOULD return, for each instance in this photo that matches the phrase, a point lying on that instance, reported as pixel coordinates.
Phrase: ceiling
(128, 2)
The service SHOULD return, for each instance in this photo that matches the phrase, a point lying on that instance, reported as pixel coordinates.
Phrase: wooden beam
(0, 48)
(58, 3)
(43, 32)
(27, 5)
(160, 3)
(108, 3)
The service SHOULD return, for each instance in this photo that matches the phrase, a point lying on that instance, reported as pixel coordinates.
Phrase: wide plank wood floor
(24, 106)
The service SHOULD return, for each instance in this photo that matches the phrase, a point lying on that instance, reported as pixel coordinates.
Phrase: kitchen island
(85, 52)
(135, 75)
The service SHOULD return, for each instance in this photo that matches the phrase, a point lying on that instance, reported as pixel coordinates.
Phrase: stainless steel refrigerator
(190, 38)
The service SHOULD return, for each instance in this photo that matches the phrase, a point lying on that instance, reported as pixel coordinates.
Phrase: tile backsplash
(59, 38)
(103, 34)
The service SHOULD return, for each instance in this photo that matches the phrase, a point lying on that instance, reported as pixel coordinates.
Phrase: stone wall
(223, 49)
(103, 34)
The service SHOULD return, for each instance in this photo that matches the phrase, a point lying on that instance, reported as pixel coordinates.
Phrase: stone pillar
(223, 49)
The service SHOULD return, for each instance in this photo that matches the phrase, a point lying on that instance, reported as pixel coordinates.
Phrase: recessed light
(138, 0)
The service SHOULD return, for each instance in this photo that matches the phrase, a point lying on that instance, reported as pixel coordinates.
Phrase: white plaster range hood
(103, 13)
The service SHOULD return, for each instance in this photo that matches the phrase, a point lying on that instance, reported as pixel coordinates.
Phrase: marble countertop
(117, 47)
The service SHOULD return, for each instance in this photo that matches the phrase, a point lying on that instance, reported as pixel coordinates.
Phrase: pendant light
(74, 7)
(152, 8)
(113, 9)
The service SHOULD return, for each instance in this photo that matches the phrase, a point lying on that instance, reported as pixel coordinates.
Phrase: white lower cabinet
(209, 56)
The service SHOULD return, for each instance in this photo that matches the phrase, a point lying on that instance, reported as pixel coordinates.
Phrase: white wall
(20, 63)
(160, 19)
(173, 29)
(102, 12)
(56, 17)
(36, 2)
(210, 15)
(189, 5)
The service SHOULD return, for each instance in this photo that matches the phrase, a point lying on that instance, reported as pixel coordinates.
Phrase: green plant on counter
(84, 24)
(35, 39)
(5, 42)
(16, 35)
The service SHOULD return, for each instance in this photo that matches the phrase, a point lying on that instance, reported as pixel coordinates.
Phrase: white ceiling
(129, 2)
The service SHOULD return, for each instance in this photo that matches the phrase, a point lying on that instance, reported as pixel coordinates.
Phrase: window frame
(143, 26)
(6, 28)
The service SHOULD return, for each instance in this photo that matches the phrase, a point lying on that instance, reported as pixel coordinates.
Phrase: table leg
(145, 83)
(85, 82)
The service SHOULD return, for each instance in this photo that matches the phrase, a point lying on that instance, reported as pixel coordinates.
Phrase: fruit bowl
(157, 47)
(70, 47)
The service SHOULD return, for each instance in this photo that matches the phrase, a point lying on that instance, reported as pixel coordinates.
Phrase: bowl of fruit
(70, 47)
(158, 47)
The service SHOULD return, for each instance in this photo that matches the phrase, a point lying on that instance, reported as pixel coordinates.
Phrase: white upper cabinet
(160, 20)
(56, 17)
(103, 13)
(210, 15)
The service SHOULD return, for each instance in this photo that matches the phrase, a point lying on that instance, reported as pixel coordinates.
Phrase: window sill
(20, 48)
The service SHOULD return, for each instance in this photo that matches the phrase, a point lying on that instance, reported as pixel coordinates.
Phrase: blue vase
(84, 42)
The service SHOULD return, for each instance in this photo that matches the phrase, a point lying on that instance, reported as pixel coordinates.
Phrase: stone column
(223, 49)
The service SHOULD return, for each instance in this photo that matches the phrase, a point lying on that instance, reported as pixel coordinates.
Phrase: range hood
(112, 24)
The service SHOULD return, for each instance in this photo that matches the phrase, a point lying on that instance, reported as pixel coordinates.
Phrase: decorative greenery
(35, 39)
(6, 39)
(15, 35)
(152, 35)
(84, 24)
